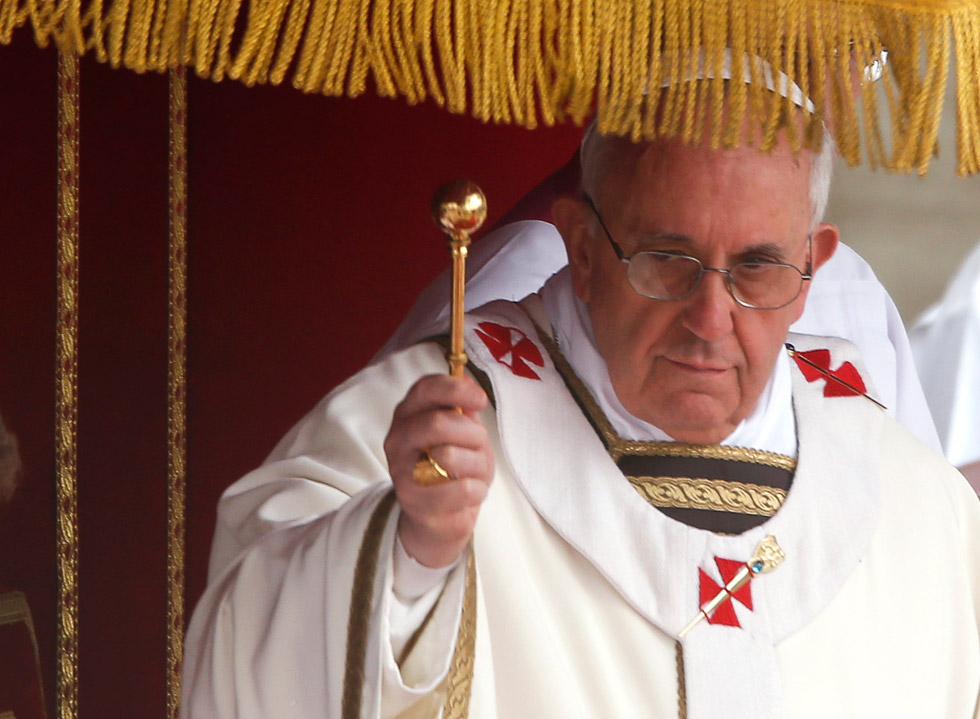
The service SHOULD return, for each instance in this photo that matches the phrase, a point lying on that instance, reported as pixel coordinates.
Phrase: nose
(708, 311)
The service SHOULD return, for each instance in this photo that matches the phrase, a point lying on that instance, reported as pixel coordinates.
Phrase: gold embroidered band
(710, 494)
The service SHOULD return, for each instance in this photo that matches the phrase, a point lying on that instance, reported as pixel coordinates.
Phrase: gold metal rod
(459, 208)
(457, 355)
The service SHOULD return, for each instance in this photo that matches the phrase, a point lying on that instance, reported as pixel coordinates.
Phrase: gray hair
(599, 153)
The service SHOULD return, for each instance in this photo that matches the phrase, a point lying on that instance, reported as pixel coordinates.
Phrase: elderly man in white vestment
(627, 438)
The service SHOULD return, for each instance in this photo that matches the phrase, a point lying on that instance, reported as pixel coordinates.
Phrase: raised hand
(437, 520)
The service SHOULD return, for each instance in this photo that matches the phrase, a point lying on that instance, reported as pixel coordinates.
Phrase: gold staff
(459, 208)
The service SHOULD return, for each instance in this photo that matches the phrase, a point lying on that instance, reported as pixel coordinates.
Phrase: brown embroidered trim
(359, 618)
(710, 494)
(681, 683)
(618, 447)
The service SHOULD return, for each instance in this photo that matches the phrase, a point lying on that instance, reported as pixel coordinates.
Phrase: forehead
(712, 196)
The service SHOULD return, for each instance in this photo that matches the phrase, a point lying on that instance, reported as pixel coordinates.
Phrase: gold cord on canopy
(176, 386)
(540, 61)
(66, 386)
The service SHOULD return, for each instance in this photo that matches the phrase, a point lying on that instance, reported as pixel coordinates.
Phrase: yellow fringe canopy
(541, 61)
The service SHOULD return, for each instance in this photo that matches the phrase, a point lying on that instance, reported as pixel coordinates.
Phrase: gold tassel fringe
(542, 61)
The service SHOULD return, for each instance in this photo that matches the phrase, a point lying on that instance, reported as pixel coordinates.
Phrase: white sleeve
(415, 591)
(269, 637)
(276, 634)
(331, 454)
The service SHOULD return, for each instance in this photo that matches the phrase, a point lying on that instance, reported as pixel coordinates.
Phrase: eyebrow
(769, 249)
(646, 242)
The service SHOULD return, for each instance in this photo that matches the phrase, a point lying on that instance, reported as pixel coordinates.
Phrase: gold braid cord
(66, 386)
(176, 386)
(534, 61)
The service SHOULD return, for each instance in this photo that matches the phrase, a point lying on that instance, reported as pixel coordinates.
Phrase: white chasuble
(581, 588)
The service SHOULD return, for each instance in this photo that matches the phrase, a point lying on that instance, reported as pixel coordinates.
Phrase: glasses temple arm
(616, 248)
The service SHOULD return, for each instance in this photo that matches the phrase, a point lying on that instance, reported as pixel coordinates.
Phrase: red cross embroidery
(725, 613)
(846, 372)
(511, 348)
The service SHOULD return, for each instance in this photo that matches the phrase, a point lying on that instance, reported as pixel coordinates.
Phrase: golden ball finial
(459, 208)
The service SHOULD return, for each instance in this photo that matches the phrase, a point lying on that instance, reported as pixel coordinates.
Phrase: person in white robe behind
(946, 346)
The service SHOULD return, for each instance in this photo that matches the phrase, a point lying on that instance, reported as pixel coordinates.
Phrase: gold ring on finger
(428, 471)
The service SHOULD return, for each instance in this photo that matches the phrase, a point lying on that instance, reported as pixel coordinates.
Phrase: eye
(762, 272)
(756, 264)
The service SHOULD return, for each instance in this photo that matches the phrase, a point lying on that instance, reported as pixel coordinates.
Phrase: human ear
(823, 244)
(571, 218)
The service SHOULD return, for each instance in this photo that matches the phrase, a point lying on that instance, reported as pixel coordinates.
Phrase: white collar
(770, 427)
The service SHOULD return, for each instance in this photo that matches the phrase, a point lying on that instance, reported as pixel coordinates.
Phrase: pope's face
(694, 367)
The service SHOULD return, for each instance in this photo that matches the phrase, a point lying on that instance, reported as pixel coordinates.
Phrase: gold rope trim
(707, 451)
(176, 386)
(681, 683)
(530, 63)
(710, 494)
(618, 447)
(66, 386)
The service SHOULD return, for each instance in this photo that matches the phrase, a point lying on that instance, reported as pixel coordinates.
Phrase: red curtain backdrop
(309, 236)
(27, 318)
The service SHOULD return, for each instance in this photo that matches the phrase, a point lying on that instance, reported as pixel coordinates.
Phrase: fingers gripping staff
(458, 207)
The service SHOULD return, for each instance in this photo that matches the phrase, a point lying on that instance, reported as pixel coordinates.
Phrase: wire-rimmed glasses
(670, 276)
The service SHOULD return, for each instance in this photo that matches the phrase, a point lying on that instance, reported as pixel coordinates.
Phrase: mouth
(697, 367)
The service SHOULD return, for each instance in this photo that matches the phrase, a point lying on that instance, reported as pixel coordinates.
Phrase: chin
(697, 418)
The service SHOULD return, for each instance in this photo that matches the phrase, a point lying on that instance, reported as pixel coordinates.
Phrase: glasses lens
(662, 275)
(765, 285)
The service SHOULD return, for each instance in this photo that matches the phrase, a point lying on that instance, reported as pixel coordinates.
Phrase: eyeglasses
(668, 276)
